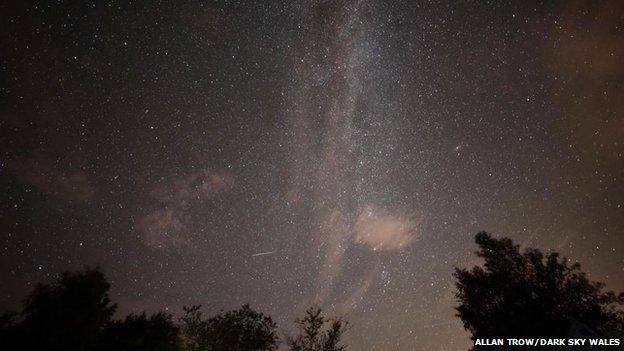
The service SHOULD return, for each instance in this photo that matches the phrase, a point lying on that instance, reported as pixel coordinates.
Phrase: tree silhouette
(197, 336)
(317, 333)
(74, 314)
(531, 294)
(239, 330)
(64, 316)
(139, 333)
(7, 330)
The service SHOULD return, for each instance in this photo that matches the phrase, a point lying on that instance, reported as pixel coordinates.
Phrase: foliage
(317, 333)
(75, 314)
(139, 333)
(64, 316)
(195, 330)
(531, 294)
(239, 330)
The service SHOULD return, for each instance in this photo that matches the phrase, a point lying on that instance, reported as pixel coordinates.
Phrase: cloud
(383, 231)
(162, 227)
(167, 224)
(198, 185)
(357, 297)
(41, 173)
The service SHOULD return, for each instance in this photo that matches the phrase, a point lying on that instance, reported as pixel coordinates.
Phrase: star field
(285, 154)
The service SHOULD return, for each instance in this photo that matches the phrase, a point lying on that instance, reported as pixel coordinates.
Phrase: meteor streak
(263, 253)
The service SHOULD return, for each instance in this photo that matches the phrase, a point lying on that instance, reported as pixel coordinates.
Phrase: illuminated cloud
(383, 231)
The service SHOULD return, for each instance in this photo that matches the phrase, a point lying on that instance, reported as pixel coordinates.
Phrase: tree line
(514, 294)
(76, 313)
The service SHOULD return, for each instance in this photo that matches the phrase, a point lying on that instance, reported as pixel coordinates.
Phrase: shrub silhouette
(317, 333)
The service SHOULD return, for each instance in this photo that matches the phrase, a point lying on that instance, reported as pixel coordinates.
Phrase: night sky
(289, 153)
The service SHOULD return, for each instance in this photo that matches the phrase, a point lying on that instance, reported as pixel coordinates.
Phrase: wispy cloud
(167, 224)
(162, 227)
(40, 172)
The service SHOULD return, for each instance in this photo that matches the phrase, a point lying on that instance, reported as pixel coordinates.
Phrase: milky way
(339, 153)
